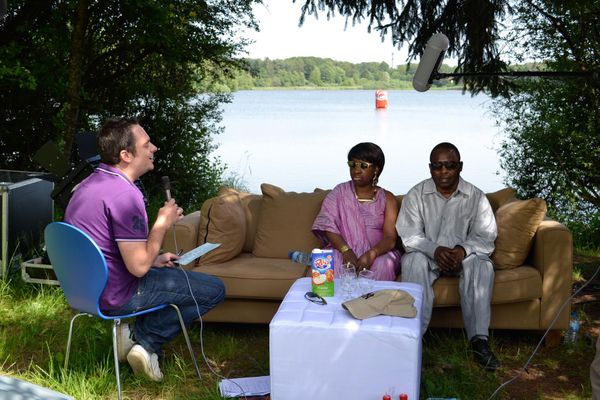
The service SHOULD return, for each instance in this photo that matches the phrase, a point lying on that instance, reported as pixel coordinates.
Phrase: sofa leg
(553, 338)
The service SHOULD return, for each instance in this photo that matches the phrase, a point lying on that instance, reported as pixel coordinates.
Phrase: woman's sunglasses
(361, 164)
(315, 298)
(452, 165)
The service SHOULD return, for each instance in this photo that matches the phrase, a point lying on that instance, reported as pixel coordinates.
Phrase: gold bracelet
(344, 248)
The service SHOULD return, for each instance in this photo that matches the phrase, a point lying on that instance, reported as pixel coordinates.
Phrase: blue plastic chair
(81, 269)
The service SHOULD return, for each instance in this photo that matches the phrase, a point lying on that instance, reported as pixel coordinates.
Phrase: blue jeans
(170, 286)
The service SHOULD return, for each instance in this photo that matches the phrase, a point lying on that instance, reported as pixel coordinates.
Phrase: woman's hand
(366, 260)
(349, 257)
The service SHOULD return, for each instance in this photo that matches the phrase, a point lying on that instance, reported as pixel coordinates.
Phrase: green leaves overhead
(472, 26)
(66, 65)
(552, 149)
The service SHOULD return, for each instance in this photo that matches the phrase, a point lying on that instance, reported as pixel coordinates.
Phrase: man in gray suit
(447, 227)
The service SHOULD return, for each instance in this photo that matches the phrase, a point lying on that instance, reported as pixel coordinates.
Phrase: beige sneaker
(145, 363)
(124, 342)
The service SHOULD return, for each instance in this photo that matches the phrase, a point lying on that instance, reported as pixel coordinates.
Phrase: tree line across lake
(324, 72)
(316, 72)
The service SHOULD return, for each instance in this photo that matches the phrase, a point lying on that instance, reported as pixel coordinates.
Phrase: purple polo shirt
(110, 208)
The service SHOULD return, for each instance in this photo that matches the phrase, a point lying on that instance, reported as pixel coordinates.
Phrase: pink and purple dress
(361, 226)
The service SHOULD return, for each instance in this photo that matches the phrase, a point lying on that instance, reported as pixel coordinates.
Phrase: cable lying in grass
(524, 369)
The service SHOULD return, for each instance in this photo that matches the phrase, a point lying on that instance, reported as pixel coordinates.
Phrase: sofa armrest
(186, 233)
(552, 256)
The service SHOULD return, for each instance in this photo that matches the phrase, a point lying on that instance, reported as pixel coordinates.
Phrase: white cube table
(322, 352)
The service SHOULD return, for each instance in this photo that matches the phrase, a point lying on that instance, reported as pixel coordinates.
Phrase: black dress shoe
(483, 354)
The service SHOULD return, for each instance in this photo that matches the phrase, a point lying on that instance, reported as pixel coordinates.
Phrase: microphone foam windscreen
(430, 61)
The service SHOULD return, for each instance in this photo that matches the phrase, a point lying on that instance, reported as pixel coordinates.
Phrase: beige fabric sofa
(533, 257)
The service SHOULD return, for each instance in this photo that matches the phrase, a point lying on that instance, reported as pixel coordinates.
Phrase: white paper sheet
(238, 387)
(197, 252)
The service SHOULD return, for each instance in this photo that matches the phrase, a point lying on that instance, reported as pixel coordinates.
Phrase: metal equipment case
(26, 210)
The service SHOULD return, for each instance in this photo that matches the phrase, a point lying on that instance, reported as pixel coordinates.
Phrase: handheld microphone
(167, 186)
(430, 61)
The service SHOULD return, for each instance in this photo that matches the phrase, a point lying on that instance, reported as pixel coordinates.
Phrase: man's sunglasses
(361, 164)
(315, 298)
(448, 164)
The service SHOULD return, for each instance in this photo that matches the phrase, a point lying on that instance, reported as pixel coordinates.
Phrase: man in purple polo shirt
(110, 208)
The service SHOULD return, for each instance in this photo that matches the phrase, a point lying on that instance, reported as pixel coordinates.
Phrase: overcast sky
(280, 37)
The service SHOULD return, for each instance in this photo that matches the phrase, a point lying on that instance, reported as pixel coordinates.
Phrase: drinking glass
(366, 281)
(348, 276)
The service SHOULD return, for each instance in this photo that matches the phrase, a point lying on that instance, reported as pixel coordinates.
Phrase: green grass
(34, 322)
(34, 325)
(554, 373)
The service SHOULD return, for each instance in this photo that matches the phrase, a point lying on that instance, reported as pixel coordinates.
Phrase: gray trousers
(476, 282)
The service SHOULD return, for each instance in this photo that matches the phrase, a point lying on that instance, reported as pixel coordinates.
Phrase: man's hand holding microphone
(168, 215)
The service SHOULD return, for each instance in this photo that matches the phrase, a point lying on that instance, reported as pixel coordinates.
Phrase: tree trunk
(73, 100)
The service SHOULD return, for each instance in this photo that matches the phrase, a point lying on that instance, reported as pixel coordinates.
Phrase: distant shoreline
(284, 88)
(314, 73)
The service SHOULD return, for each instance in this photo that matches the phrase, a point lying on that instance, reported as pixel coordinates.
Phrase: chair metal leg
(187, 340)
(68, 352)
(116, 322)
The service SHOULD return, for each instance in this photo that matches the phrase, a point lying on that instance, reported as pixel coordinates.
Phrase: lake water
(299, 139)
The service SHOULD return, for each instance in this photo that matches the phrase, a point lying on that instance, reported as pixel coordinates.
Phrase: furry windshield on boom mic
(167, 186)
(430, 61)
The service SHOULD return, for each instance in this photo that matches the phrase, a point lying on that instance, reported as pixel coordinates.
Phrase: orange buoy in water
(381, 100)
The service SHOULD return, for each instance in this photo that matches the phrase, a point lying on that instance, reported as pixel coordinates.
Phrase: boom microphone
(167, 186)
(430, 61)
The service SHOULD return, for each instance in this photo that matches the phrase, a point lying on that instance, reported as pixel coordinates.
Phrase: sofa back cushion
(222, 220)
(399, 198)
(517, 223)
(285, 222)
(251, 203)
(501, 197)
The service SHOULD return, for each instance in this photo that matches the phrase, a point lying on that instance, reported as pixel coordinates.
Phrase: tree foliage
(66, 65)
(552, 148)
(472, 27)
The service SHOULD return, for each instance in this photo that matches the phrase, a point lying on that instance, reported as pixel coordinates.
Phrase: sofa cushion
(247, 276)
(517, 223)
(501, 197)
(399, 198)
(222, 221)
(285, 222)
(510, 286)
(252, 206)
(251, 203)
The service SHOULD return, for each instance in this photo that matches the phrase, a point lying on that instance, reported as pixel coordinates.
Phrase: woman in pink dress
(357, 218)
